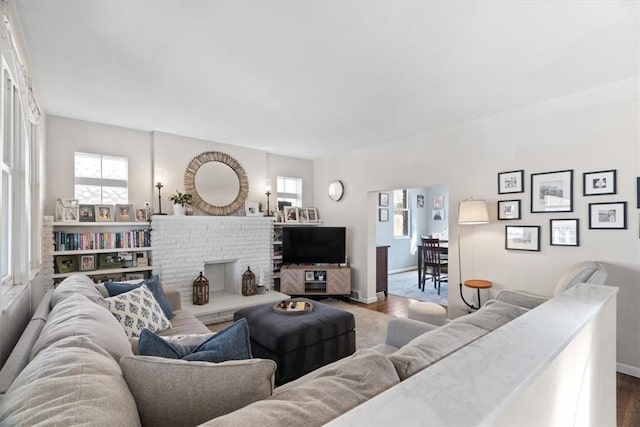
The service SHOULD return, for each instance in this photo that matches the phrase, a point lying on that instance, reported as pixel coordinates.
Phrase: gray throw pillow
(231, 343)
(153, 283)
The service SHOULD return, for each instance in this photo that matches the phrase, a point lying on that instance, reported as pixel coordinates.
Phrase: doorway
(403, 216)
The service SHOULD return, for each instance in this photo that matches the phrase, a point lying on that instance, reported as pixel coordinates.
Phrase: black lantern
(200, 290)
(248, 283)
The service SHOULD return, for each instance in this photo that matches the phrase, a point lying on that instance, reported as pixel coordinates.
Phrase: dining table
(444, 253)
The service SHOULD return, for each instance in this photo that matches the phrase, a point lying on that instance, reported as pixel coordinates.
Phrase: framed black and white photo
(383, 215)
(522, 237)
(383, 199)
(511, 182)
(565, 232)
(552, 191)
(599, 183)
(438, 214)
(509, 209)
(608, 216)
(420, 201)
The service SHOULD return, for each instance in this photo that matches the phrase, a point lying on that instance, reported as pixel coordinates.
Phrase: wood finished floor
(627, 387)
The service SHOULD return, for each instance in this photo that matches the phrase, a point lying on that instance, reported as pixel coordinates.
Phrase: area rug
(371, 326)
(406, 285)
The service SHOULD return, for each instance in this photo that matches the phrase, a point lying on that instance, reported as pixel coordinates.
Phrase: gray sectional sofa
(76, 366)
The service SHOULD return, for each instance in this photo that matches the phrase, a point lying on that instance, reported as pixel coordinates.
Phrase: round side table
(476, 284)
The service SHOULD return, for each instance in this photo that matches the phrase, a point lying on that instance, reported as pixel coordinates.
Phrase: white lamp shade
(473, 212)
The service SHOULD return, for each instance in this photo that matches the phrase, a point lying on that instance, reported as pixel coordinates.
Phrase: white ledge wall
(552, 366)
(182, 244)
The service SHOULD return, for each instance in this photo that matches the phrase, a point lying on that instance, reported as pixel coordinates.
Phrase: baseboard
(634, 371)
(402, 270)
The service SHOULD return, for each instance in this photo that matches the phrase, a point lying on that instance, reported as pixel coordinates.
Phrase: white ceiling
(310, 79)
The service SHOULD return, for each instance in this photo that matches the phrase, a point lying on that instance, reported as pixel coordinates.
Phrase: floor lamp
(470, 212)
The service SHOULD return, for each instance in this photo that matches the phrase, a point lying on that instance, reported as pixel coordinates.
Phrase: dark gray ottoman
(299, 343)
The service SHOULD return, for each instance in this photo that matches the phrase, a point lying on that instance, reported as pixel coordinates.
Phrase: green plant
(181, 199)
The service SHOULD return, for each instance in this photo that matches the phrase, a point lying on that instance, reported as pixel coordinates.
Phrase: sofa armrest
(174, 298)
(520, 298)
(400, 331)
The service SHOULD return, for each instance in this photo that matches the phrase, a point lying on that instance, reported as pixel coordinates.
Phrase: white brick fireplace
(222, 248)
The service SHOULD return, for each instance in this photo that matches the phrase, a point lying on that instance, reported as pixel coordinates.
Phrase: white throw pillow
(137, 310)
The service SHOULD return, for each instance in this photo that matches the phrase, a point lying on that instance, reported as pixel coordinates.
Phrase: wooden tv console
(315, 280)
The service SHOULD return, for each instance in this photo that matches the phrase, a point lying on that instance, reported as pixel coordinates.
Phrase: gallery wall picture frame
(522, 238)
(383, 199)
(511, 182)
(87, 213)
(104, 213)
(638, 192)
(438, 201)
(509, 209)
(383, 215)
(124, 213)
(564, 232)
(87, 262)
(552, 191)
(312, 215)
(290, 214)
(420, 201)
(438, 214)
(599, 183)
(608, 216)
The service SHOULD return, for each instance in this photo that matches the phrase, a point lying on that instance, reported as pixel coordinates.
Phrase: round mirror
(218, 183)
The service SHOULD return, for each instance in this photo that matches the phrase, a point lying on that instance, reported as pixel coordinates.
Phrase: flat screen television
(317, 245)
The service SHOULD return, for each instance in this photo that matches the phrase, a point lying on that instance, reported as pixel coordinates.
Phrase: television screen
(320, 245)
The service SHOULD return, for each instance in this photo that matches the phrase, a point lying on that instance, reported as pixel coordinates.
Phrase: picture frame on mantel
(552, 191)
(511, 182)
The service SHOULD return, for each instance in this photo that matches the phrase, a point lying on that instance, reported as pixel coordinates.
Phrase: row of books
(64, 241)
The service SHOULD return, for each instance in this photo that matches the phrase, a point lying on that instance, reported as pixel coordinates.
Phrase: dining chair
(433, 263)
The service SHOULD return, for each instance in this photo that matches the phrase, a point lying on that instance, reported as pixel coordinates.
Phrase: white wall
(295, 168)
(588, 131)
(65, 136)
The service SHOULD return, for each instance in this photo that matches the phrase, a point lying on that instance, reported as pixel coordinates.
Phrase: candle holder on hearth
(200, 290)
(248, 283)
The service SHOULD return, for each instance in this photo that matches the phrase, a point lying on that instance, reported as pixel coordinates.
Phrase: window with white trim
(289, 191)
(401, 214)
(101, 179)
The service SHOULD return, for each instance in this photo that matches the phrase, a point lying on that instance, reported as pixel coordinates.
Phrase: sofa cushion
(72, 382)
(153, 283)
(77, 316)
(492, 316)
(137, 310)
(171, 392)
(231, 343)
(430, 347)
(74, 285)
(343, 386)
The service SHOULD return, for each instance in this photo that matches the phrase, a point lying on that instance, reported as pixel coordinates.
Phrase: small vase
(178, 210)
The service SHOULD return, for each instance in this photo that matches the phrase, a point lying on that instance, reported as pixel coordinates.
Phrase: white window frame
(282, 196)
(101, 182)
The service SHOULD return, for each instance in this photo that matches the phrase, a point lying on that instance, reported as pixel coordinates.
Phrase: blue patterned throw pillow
(231, 343)
(138, 310)
(153, 283)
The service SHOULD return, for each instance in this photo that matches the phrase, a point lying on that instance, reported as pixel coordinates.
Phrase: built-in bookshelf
(101, 250)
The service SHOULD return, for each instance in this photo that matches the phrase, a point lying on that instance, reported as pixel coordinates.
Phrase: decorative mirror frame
(198, 201)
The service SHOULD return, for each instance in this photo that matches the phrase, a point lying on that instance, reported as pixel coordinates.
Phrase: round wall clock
(336, 190)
